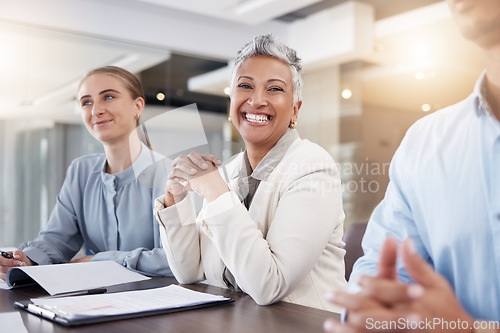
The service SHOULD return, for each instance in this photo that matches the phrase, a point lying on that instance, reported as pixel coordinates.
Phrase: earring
(229, 118)
(293, 124)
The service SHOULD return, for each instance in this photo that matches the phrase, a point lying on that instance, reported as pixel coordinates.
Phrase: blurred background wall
(371, 69)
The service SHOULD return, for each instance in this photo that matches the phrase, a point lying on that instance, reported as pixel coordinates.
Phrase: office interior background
(371, 69)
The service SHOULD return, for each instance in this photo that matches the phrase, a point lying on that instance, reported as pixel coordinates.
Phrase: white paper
(136, 301)
(61, 278)
(12, 322)
(3, 285)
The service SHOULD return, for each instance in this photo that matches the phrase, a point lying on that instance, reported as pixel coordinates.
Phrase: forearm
(52, 248)
(150, 262)
(180, 240)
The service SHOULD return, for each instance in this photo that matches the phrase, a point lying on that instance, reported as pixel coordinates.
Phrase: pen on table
(7, 255)
(79, 293)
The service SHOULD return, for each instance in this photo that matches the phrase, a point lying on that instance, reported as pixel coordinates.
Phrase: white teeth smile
(257, 118)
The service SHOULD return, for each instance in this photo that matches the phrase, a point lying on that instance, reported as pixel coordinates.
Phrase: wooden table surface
(243, 315)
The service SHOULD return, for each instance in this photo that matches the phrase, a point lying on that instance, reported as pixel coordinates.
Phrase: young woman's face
(262, 101)
(108, 110)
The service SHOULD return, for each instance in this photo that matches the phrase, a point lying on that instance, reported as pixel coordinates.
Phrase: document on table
(12, 322)
(62, 278)
(77, 310)
(3, 285)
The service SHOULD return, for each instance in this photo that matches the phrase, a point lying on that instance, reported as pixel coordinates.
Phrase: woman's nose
(257, 99)
(97, 109)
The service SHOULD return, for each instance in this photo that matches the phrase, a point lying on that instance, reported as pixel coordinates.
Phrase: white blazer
(287, 246)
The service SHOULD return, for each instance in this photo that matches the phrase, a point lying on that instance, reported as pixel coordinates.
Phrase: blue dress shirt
(444, 193)
(112, 214)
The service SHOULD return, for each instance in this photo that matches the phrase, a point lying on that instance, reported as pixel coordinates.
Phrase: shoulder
(305, 157)
(87, 164)
(435, 139)
(443, 123)
(305, 151)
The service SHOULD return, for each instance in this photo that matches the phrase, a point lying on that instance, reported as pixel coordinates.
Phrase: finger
(212, 158)
(388, 259)
(8, 263)
(177, 186)
(198, 160)
(178, 173)
(187, 167)
(384, 320)
(183, 182)
(351, 302)
(389, 292)
(18, 254)
(418, 269)
(179, 159)
(334, 326)
(2, 276)
(21, 257)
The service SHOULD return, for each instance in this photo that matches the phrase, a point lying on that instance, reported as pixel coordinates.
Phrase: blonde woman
(101, 203)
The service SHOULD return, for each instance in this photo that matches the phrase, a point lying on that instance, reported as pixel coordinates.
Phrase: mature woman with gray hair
(273, 228)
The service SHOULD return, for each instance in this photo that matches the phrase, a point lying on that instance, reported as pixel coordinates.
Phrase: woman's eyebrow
(109, 90)
(279, 80)
(270, 80)
(102, 92)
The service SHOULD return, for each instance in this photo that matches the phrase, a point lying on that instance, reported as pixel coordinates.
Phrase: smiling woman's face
(108, 111)
(262, 101)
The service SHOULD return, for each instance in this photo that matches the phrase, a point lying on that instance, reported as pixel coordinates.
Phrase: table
(243, 315)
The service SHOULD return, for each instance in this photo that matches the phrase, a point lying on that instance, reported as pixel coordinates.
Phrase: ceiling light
(160, 96)
(426, 107)
(346, 93)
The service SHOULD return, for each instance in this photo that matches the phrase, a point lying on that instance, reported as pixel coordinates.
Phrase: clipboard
(76, 310)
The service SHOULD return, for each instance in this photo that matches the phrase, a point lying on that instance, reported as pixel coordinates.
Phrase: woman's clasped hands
(194, 172)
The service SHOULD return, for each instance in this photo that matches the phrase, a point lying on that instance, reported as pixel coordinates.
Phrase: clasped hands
(383, 299)
(194, 172)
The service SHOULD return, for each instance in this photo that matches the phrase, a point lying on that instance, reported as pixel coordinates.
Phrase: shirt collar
(480, 93)
(131, 173)
(272, 158)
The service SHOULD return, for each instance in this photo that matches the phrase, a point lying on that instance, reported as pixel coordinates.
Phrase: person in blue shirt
(443, 205)
(103, 204)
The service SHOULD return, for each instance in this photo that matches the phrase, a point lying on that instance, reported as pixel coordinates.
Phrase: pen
(7, 255)
(79, 293)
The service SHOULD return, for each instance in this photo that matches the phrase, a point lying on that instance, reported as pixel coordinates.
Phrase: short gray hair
(267, 45)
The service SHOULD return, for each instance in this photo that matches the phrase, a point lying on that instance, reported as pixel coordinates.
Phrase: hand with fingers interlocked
(412, 306)
(194, 172)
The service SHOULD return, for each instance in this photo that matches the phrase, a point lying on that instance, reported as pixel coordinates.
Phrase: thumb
(419, 270)
(388, 259)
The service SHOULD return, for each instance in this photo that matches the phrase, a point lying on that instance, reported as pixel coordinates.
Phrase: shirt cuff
(116, 256)
(220, 205)
(180, 213)
(36, 255)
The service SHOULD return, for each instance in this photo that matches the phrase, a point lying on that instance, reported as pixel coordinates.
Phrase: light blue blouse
(111, 214)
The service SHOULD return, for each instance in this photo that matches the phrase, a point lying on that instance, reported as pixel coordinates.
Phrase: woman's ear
(139, 107)
(296, 109)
